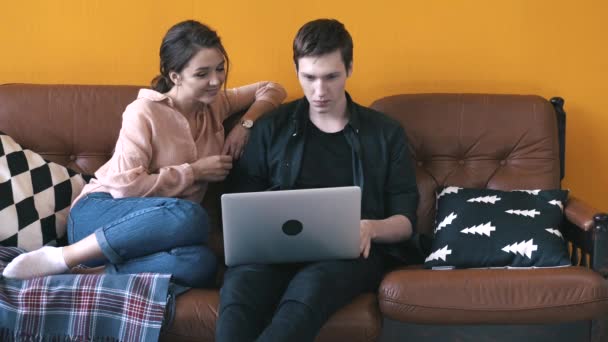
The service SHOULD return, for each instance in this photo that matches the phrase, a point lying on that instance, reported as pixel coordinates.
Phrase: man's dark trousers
(262, 302)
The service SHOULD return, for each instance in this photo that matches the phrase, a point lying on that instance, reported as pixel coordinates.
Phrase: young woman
(142, 212)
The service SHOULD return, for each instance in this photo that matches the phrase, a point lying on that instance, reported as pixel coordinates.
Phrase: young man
(321, 140)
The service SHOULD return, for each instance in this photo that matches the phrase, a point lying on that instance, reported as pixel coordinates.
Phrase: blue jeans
(159, 235)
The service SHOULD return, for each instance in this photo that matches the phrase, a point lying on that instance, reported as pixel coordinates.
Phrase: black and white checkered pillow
(35, 197)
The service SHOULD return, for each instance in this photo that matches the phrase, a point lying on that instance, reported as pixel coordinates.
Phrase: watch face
(247, 123)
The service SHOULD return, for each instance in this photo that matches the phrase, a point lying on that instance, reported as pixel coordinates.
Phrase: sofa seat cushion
(196, 314)
(493, 296)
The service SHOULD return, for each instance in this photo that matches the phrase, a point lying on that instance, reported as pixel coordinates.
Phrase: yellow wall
(545, 47)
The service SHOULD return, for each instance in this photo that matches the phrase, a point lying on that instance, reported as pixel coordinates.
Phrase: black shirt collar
(300, 115)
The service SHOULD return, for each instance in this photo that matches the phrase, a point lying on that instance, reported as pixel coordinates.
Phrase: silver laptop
(291, 225)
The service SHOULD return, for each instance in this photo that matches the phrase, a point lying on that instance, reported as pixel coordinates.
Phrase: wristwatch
(247, 123)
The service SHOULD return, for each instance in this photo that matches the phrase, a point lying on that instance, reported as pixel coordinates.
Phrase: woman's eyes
(203, 75)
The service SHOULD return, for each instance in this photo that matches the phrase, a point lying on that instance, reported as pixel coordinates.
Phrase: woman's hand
(236, 141)
(212, 169)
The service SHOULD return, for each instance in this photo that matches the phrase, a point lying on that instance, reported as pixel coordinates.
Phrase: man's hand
(212, 169)
(367, 234)
(393, 229)
(236, 141)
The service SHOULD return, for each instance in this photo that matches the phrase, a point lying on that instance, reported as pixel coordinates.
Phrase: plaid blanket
(81, 307)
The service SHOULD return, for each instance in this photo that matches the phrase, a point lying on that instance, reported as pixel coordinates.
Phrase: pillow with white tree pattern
(481, 228)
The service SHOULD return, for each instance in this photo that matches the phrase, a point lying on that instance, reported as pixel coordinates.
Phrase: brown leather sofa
(77, 126)
(501, 142)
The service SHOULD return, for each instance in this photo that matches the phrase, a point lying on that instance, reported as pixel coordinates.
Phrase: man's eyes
(312, 78)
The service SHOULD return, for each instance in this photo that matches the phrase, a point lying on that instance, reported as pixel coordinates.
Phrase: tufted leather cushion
(501, 142)
(76, 126)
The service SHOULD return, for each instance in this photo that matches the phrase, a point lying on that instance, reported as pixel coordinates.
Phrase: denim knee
(192, 217)
(194, 266)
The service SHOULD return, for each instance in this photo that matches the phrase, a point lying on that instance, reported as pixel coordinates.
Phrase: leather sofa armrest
(579, 213)
(587, 229)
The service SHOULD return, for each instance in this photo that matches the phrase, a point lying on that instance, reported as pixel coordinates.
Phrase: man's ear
(349, 70)
(296, 65)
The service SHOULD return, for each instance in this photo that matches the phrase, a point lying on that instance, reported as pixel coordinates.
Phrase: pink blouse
(155, 146)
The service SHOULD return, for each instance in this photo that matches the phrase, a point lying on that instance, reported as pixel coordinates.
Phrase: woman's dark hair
(179, 45)
(320, 37)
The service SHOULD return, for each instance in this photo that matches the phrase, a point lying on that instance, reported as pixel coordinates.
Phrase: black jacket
(382, 166)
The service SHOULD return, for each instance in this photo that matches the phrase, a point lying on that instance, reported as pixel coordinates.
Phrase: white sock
(41, 262)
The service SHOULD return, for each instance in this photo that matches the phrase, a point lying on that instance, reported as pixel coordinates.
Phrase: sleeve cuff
(188, 173)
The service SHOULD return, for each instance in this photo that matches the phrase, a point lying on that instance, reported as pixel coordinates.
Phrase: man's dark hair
(320, 37)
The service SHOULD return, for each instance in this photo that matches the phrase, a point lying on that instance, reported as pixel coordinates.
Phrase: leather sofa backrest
(469, 140)
(502, 142)
(73, 125)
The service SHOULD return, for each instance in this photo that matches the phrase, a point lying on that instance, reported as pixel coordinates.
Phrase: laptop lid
(291, 225)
